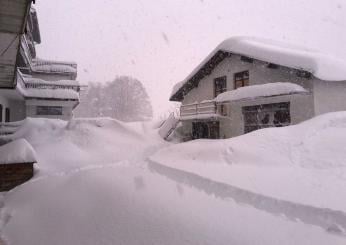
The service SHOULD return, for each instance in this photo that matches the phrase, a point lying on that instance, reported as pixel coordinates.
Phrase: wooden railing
(203, 108)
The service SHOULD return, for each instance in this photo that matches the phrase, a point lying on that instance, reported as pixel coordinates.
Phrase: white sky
(161, 41)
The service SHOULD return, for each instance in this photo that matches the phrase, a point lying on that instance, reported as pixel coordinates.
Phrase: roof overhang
(311, 62)
(202, 72)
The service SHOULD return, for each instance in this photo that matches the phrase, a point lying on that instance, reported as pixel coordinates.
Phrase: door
(200, 130)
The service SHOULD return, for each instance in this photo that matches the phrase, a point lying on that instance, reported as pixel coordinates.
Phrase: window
(265, 116)
(220, 85)
(241, 79)
(0, 113)
(7, 114)
(49, 110)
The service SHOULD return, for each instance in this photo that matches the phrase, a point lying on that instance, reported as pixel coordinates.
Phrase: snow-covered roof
(263, 90)
(65, 94)
(320, 65)
(33, 80)
(41, 65)
(18, 151)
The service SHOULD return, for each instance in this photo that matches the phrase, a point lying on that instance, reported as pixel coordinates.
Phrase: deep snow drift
(305, 163)
(94, 186)
(66, 146)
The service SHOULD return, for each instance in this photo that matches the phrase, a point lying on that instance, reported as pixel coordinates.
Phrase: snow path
(147, 208)
(325, 218)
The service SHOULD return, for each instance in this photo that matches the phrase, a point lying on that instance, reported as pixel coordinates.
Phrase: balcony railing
(198, 109)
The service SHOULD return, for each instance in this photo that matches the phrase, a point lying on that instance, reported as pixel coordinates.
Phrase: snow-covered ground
(101, 181)
(305, 163)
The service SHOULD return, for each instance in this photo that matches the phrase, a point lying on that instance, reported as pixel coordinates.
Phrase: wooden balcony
(198, 110)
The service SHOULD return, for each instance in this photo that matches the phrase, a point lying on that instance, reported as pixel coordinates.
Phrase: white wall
(67, 107)
(259, 74)
(329, 96)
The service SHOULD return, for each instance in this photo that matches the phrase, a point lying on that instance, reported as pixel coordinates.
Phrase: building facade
(247, 84)
(29, 86)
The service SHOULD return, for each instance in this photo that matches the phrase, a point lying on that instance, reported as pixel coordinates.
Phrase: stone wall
(12, 175)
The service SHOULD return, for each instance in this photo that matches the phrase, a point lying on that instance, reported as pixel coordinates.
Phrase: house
(247, 84)
(29, 86)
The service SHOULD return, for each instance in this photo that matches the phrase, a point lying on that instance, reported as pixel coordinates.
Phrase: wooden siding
(12, 175)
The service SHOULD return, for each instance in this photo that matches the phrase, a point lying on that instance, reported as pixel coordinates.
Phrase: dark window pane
(7, 114)
(220, 85)
(49, 110)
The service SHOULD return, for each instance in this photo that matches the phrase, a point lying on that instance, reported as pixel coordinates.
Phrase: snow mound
(17, 151)
(263, 90)
(63, 146)
(309, 156)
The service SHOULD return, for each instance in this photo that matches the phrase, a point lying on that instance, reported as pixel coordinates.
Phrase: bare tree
(125, 98)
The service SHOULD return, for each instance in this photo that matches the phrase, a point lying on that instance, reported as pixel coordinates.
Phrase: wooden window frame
(243, 77)
(222, 79)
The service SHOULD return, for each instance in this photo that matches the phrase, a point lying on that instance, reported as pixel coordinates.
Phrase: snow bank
(64, 146)
(320, 65)
(18, 151)
(263, 90)
(306, 161)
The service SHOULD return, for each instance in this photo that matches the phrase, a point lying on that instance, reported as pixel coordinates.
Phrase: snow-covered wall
(329, 96)
(258, 71)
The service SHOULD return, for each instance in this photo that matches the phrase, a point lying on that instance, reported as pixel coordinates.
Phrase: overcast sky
(161, 41)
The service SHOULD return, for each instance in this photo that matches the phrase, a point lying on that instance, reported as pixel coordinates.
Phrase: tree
(125, 98)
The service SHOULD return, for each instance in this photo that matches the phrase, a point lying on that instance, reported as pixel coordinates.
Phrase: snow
(303, 164)
(56, 93)
(322, 66)
(35, 81)
(263, 90)
(95, 185)
(53, 66)
(17, 151)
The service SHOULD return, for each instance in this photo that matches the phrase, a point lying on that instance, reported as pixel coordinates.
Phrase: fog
(160, 42)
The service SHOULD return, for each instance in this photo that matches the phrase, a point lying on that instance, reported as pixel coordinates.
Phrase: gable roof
(320, 65)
